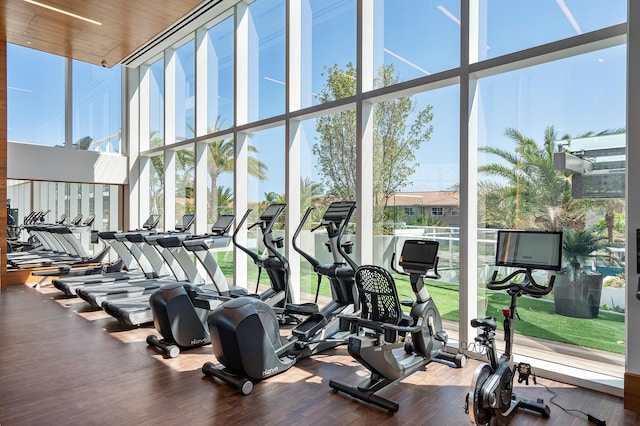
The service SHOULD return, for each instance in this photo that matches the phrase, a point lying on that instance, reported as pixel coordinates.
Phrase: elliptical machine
(180, 310)
(383, 322)
(491, 400)
(244, 332)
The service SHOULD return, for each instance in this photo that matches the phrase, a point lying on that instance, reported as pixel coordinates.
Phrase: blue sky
(419, 37)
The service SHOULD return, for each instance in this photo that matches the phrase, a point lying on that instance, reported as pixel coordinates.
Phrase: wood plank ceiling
(124, 26)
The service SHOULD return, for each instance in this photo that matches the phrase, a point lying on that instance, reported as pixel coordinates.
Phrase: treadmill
(137, 266)
(166, 264)
(137, 311)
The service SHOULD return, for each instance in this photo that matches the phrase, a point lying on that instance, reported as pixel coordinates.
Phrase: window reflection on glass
(69, 198)
(508, 26)
(220, 76)
(156, 187)
(266, 47)
(35, 99)
(156, 104)
(526, 182)
(331, 42)
(185, 91)
(96, 107)
(185, 183)
(220, 165)
(416, 38)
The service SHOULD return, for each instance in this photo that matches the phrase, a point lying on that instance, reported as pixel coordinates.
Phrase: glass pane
(316, 179)
(507, 26)
(220, 162)
(35, 99)
(265, 186)
(156, 104)
(185, 187)
(156, 187)
(97, 113)
(266, 59)
(185, 92)
(220, 196)
(220, 77)
(332, 43)
(416, 175)
(524, 185)
(416, 38)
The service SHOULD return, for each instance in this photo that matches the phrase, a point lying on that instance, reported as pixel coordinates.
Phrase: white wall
(37, 162)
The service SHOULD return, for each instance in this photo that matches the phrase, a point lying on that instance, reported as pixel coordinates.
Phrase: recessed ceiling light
(55, 9)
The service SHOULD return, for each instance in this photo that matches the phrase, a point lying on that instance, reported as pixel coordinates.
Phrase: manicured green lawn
(537, 317)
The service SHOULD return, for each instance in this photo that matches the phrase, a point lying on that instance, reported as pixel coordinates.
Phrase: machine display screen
(271, 211)
(223, 224)
(419, 255)
(529, 249)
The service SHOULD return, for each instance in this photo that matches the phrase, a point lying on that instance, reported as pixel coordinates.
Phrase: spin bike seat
(489, 322)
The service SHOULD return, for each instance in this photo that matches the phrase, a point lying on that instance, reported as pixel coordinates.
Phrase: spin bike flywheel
(477, 413)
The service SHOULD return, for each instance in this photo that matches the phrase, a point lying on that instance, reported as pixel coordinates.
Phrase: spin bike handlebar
(528, 286)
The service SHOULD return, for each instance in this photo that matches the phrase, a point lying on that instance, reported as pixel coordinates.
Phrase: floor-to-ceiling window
(97, 107)
(312, 100)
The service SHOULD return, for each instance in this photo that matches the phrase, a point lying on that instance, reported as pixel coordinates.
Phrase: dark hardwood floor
(63, 364)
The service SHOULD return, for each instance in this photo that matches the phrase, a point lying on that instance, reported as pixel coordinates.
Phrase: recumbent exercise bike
(383, 328)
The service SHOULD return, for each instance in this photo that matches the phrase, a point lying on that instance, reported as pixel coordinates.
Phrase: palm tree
(535, 194)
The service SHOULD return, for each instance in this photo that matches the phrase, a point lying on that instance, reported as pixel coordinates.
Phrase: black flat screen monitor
(338, 211)
(186, 222)
(529, 249)
(272, 211)
(151, 222)
(419, 255)
(222, 225)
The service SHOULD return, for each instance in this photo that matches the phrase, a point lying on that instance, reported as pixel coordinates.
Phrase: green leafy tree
(399, 130)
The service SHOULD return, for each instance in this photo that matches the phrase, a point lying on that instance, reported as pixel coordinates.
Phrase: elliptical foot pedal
(309, 327)
(302, 308)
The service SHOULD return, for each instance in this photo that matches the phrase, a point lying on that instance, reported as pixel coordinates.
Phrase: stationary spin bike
(491, 400)
(391, 344)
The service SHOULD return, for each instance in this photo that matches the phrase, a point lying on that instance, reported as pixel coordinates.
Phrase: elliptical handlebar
(251, 254)
(333, 230)
(314, 262)
(528, 286)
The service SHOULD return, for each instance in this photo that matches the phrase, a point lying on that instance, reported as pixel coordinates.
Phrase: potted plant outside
(578, 288)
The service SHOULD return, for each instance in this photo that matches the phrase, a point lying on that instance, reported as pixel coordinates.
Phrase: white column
(98, 203)
(137, 121)
(468, 177)
(292, 214)
(144, 181)
(169, 190)
(206, 94)
(364, 134)
(201, 196)
(245, 64)
(299, 54)
(60, 201)
(632, 271)
(241, 203)
(170, 72)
